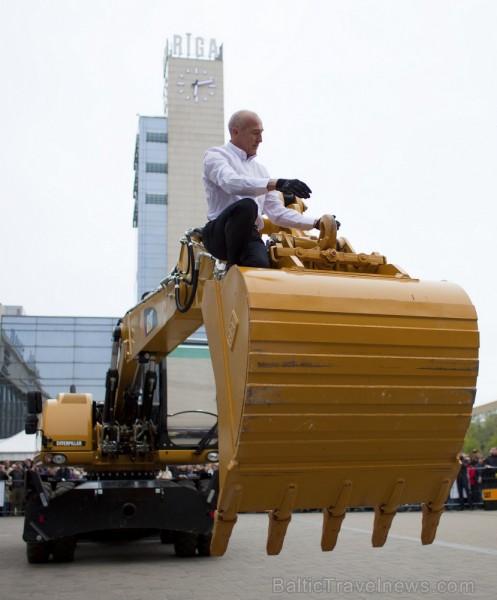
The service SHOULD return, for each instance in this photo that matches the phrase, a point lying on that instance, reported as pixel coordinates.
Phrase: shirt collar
(239, 152)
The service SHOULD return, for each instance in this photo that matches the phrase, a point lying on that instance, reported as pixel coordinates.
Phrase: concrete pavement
(461, 564)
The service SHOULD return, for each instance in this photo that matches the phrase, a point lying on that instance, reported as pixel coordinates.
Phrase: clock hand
(195, 90)
(196, 84)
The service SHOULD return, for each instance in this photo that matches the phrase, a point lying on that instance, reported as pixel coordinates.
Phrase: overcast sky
(387, 109)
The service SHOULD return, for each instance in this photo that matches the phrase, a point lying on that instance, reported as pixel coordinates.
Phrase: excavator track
(338, 390)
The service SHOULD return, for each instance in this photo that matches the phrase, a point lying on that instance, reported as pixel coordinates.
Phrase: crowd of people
(475, 474)
(12, 478)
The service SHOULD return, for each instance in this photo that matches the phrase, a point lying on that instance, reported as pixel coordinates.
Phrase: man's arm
(286, 217)
(219, 171)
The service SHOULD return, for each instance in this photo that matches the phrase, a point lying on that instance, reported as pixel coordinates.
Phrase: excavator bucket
(338, 390)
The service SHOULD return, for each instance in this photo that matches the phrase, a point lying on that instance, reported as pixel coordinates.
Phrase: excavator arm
(340, 381)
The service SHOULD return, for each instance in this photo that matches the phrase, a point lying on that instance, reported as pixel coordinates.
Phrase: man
(4, 480)
(17, 489)
(491, 459)
(462, 482)
(490, 473)
(239, 191)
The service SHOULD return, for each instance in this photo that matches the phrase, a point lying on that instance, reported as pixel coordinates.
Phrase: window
(153, 136)
(155, 198)
(156, 168)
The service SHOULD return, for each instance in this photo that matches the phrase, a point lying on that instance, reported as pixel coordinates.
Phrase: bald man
(239, 191)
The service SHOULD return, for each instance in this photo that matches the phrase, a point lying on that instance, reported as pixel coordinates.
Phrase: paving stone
(460, 564)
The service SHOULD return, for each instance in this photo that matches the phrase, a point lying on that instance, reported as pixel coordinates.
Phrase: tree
(482, 433)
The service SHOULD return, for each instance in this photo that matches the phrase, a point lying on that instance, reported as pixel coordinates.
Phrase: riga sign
(189, 47)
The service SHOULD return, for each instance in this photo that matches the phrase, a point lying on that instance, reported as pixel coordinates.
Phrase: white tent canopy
(18, 447)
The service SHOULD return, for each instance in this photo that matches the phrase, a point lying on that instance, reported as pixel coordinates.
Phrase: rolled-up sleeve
(286, 217)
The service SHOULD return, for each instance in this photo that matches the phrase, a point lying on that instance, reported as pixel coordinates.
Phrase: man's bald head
(245, 127)
(241, 118)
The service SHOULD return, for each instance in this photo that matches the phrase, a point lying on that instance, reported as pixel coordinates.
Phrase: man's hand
(288, 199)
(317, 223)
(294, 186)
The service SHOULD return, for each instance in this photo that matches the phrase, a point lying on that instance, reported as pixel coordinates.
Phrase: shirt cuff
(309, 221)
(260, 185)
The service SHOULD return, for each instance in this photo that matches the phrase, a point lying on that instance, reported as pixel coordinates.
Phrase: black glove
(288, 198)
(294, 186)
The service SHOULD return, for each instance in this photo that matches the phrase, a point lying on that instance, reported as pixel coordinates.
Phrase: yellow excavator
(340, 381)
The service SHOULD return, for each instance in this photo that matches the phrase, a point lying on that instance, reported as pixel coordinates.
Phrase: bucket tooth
(279, 520)
(432, 511)
(224, 521)
(333, 517)
(384, 514)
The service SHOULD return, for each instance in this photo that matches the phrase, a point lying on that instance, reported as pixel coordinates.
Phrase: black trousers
(233, 236)
(463, 484)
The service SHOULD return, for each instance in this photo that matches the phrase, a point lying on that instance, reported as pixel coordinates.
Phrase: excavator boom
(341, 382)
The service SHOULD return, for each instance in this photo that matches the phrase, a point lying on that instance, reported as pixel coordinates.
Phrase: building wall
(50, 354)
(192, 124)
(195, 124)
(18, 375)
(151, 193)
(60, 352)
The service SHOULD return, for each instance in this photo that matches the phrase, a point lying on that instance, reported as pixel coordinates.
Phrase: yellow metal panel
(66, 419)
(490, 495)
(336, 378)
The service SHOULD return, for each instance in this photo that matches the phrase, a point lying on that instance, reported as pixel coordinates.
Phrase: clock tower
(194, 107)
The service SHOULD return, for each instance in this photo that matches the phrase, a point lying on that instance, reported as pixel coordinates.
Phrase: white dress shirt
(230, 175)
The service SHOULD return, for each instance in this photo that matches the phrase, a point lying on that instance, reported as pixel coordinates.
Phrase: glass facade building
(18, 376)
(50, 354)
(54, 354)
(150, 208)
(168, 191)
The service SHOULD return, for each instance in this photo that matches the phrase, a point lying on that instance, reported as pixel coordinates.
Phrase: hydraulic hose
(191, 263)
(193, 292)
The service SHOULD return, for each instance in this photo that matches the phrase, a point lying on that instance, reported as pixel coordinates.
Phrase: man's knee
(246, 207)
(256, 254)
(260, 261)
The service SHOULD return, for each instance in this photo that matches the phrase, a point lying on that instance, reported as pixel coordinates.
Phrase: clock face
(196, 85)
